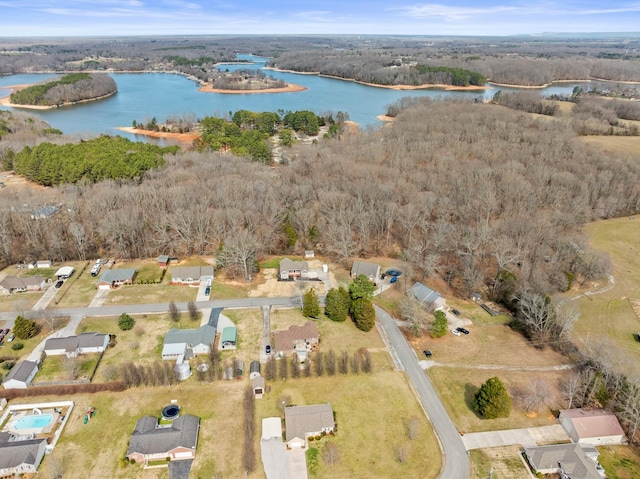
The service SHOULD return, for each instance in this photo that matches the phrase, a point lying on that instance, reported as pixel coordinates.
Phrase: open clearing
(457, 388)
(608, 318)
(505, 462)
(620, 462)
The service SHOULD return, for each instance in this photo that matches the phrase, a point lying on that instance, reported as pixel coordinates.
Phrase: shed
(163, 260)
(238, 367)
(257, 384)
(228, 338)
(271, 428)
(254, 369)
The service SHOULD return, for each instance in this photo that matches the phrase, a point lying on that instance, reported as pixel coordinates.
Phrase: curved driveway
(456, 460)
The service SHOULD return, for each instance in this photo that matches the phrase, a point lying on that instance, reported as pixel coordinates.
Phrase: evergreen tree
(126, 322)
(439, 325)
(25, 328)
(361, 288)
(363, 314)
(310, 304)
(337, 304)
(492, 400)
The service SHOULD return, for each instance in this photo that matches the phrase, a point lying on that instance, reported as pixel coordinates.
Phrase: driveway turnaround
(456, 460)
(532, 436)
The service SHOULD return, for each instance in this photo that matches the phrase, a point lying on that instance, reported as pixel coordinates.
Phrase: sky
(39, 18)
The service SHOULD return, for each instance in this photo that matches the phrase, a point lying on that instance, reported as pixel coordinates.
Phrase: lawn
(77, 291)
(223, 290)
(620, 462)
(505, 462)
(372, 413)
(94, 449)
(608, 318)
(19, 302)
(456, 388)
(249, 324)
(151, 293)
(58, 368)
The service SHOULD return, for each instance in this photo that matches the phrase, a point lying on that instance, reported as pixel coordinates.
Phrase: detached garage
(592, 426)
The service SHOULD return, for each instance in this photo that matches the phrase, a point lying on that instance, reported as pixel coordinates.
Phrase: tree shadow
(470, 391)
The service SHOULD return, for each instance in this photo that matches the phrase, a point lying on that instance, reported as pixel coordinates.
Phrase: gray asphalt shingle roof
(424, 294)
(14, 453)
(147, 438)
(72, 343)
(21, 371)
(119, 275)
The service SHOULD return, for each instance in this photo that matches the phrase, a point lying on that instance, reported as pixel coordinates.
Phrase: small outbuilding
(64, 272)
(229, 337)
(271, 428)
(254, 369)
(257, 384)
(592, 426)
(163, 261)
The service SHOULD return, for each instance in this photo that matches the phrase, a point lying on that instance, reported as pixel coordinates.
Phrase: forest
(68, 89)
(384, 60)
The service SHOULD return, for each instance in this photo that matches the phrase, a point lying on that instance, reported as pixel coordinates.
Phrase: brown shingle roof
(593, 422)
(284, 340)
(303, 420)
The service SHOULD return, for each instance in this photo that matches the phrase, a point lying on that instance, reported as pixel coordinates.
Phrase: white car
(456, 332)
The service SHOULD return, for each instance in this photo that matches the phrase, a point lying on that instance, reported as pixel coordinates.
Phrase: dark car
(59, 283)
(456, 312)
(463, 331)
(268, 349)
(207, 290)
(427, 353)
(393, 272)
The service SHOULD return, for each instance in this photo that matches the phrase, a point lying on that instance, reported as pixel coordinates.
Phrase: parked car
(58, 284)
(207, 290)
(427, 353)
(462, 330)
(11, 337)
(6, 331)
(268, 349)
(393, 279)
(456, 312)
(456, 332)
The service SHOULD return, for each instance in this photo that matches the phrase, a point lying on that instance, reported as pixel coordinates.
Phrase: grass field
(19, 301)
(372, 412)
(608, 318)
(151, 293)
(615, 144)
(620, 462)
(505, 462)
(456, 388)
(77, 291)
(58, 368)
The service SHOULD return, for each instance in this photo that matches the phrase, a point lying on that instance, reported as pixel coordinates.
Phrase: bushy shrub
(8, 365)
(17, 346)
(126, 322)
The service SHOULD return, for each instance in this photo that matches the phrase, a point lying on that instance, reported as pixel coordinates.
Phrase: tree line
(68, 89)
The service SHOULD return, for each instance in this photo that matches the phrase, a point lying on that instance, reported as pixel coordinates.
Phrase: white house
(21, 375)
(191, 275)
(72, 346)
(14, 284)
(569, 459)
(187, 343)
(20, 456)
(429, 297)
(304, 421)
(592, 426)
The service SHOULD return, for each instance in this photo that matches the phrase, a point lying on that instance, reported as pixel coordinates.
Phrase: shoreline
(182, 137)
(290, 88)
(6, 100)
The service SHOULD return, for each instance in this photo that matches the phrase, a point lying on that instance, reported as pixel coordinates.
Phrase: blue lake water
(143, 96)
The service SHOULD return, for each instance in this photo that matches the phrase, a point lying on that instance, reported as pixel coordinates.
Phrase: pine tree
(492, 400)
(310, 304)
(337, 304)
(439, 325)
(363, 314)
(24, 328)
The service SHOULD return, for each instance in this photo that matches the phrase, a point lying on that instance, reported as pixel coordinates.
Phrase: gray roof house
(152, 442)
(116, 277)
(71, 346)
(370, 270)
(187, 343)
(289, 269)
(21, 375)
(428, 296)
(571, 459)
(18, 457)
(13, 284)
(304, 421)
(191, 275)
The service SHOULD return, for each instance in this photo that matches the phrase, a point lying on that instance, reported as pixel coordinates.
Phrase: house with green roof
(186, 343)
(113, 278)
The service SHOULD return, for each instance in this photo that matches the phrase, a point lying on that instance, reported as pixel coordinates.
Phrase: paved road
(456, 460)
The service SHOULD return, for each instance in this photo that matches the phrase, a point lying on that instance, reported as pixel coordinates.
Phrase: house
(64, 272)
(229, 337)
(191, 275)
(592, 426)
(20, 456)
(370, 270)
(304, 421)
(570, 459)
(187, 343)
(297, 338)
(163, 261)
(113, 278)
(72, 346)
(14, 284)
(289, 270)
(45, 212)
(153, 442)
(45, 263)
(428, 297)
(21, 375)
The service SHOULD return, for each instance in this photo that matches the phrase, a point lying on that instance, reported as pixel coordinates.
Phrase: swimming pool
(33, 422)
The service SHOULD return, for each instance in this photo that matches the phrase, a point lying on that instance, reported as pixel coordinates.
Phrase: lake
(142, 96)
